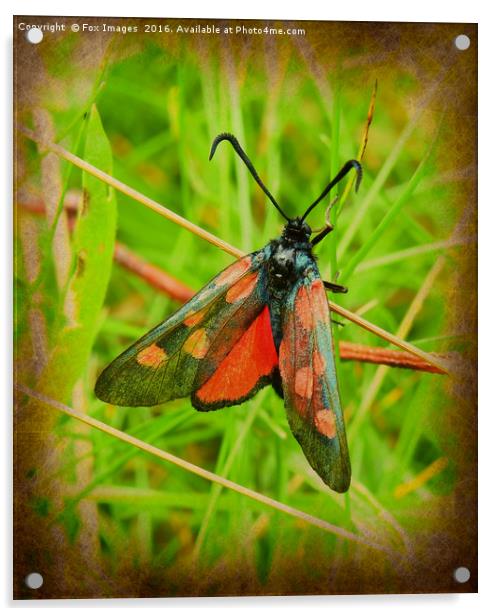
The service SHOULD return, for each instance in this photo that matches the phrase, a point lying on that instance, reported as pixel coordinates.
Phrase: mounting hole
(34, 35)
(461, 575)
(462, 42)
(34, 581)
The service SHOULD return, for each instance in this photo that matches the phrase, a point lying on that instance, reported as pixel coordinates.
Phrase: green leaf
(93, 246)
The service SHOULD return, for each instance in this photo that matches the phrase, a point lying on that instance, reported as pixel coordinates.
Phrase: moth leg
(321, 235)
(335, 288)
(338, 323)
(328, 225)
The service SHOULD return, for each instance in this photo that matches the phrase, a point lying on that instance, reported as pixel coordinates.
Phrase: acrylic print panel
(120, 218)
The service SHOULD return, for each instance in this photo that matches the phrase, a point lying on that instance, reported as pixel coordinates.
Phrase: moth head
(296, 230)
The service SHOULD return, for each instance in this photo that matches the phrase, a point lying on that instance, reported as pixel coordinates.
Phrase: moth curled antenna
(238, 148)
(351, 164)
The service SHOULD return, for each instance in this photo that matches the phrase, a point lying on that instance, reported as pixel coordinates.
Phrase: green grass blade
(381, 178)
(386, 221)
(410, 253)
(92, 245)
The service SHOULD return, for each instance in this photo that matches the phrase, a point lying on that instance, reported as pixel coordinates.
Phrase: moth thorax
(282, 266)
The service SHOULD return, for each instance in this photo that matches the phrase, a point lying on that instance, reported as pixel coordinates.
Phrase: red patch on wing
(303, 385)
(318, 363)
(319, 302)
(235, 271)
(303, 308)
(252, 357)
(152, 356)
(242, 289)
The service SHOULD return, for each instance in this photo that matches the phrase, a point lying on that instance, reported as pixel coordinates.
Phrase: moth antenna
(238, 148)
(351, 164)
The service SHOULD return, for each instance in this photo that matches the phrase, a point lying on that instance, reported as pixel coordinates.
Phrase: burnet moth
(264, 320)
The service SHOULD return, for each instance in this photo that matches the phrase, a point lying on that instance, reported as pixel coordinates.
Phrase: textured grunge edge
(75, 569)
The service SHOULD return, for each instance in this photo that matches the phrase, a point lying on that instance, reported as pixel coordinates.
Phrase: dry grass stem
(196, 470)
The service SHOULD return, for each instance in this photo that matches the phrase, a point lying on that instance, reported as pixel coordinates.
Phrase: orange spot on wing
(319, 302)
(197, 344)
(303, 385)
(251, 358)
(325, 422)
(285, 364)
(235, 271)
(318, 363)
(242, 289)
(302, 307)
(194, 317)
(152, 356)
